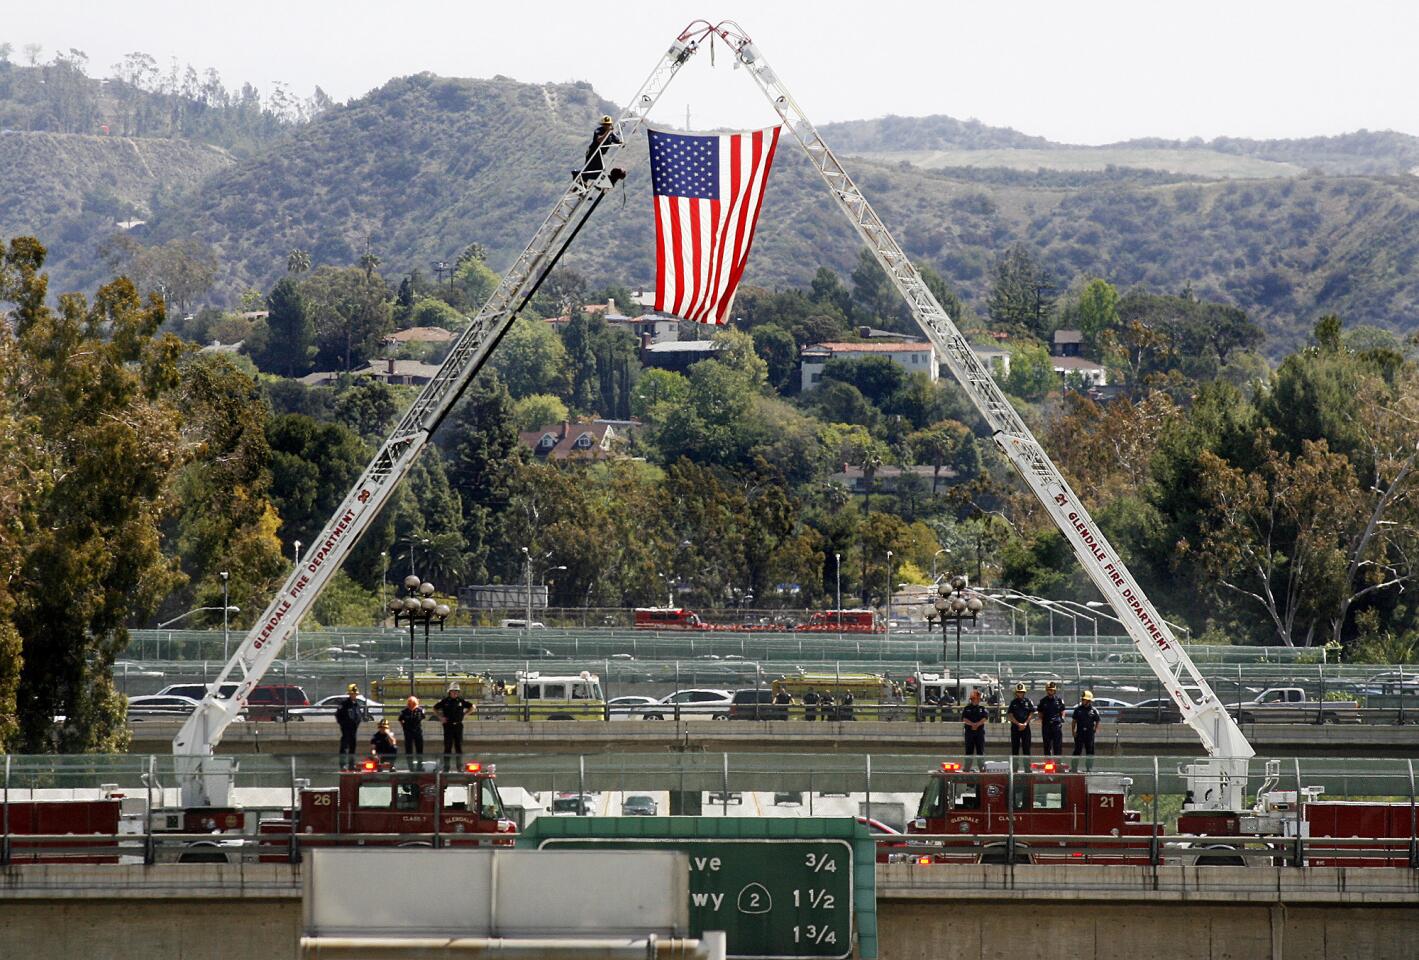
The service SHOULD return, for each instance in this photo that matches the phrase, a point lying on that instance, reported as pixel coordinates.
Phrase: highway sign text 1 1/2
(772, 898)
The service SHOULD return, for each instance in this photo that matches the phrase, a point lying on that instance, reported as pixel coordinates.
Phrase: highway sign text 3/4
(773, 898)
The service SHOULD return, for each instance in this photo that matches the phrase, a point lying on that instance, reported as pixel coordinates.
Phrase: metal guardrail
(923, 849)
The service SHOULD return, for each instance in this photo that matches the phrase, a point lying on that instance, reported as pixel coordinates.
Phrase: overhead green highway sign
(780, 889)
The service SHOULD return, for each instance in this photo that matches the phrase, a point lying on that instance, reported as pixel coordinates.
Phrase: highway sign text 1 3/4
(772, 898)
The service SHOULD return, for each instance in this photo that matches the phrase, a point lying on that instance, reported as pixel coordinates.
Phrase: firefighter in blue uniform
(1051, 711)
(1019, 713)
(1086, 725)
(974, 718)
(348, 715)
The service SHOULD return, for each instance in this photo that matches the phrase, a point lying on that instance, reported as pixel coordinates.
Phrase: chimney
(390, 362)
(610, 306)
(646, 340)
(566, 429)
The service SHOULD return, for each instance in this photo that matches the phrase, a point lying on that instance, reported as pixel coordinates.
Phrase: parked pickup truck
(1292, 704)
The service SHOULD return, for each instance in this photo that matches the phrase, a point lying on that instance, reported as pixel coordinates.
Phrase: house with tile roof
(593, 441)
(914, 357)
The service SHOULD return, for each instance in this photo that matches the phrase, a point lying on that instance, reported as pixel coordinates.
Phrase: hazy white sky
(1087, 71)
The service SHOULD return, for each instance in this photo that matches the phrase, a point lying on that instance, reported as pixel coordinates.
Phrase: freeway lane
(861, 737)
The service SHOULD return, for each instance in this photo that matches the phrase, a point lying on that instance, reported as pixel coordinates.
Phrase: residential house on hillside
(997, 361)
(885, 478)
(916, 357)
(675, 355)
(398, 372)
(1068, 343)
(437, 335)
(573, 441)
(1089, 373)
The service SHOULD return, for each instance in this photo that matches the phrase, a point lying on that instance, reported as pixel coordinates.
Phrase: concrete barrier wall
(983, 930)
(204, 929)
(944, 912)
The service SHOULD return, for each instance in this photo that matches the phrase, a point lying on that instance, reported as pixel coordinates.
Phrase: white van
(521, 625)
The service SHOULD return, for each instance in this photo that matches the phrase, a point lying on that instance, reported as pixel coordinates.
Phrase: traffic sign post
(780, 889)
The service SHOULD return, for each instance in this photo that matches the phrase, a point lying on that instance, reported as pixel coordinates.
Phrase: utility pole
(527, 557)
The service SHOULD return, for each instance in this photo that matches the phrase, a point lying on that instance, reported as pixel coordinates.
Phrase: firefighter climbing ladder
(206, 779)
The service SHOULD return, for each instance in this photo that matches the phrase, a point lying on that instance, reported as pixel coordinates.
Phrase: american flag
(708, 192)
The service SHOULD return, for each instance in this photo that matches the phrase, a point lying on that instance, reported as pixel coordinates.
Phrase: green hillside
(426, 165)
(72, 190)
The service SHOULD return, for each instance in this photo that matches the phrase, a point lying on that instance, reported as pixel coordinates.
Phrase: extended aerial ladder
(1217, 783)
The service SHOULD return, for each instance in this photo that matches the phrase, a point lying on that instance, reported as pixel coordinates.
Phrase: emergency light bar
(472, 768)
(369, 766)
(949, 767)
(1047, 767)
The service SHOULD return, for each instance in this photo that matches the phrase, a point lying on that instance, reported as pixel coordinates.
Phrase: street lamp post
(383, 585)
(838, 581)
(954, 601)
(527, 579)
(418, 606)
(889, 594)
(933, 561)
(226, 622)
(296, 630)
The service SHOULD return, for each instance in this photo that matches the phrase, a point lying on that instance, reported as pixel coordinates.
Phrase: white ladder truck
(205, 779)
(1217, 783)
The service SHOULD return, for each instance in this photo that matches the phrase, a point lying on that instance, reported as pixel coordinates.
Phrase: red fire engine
(1048, 800)
(668, 618)
(860, 620)
(452, 809)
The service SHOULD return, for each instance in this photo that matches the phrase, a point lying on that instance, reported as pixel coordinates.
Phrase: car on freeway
(536, 653)
(639, 805)
(695, 704)
(159, 706)
(1390, 683)
(1154, 710)
(1109, 707)
(196, 691)
(721, 796)
(276, 701)
(134, 668)
(580, 804)
(782, 797)
(630, 708)
(326, 707)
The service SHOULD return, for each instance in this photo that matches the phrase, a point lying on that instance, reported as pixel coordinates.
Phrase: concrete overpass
(942, 912)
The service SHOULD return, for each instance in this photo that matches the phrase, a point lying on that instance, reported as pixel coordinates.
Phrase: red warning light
(1048, 767)
(369, 766)
(949, 767)
(472, 768)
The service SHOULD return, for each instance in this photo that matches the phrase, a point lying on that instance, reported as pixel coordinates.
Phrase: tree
(483, 450)
(1095, 311)
(350, 313)
(776, 347)
(369, 407)
(1273, 535)
(288, 349)
(297, 261)
(531, 359)
(313, 466)
(1032, 375)
(658, 393)
(874, 297)
(538, 410)
(947, 442)
(1022, 292)
(92, 389)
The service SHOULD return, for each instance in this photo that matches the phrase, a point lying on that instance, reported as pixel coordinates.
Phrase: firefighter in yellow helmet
(602, 139)
(1086, 725)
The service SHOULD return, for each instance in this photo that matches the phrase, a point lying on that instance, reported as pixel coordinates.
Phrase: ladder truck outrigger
(1216, 783)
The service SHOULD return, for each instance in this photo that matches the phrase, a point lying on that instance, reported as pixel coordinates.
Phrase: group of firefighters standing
(450, 712)
(1020, 713)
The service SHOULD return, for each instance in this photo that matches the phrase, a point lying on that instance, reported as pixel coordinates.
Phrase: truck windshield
(933, 801)
(490, 805)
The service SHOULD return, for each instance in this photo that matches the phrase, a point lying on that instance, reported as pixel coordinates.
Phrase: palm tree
(297, 261)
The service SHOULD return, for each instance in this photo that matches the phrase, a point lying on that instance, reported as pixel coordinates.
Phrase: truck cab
(451, 809)
(545, 696)
(860, 620)
(1049, 799)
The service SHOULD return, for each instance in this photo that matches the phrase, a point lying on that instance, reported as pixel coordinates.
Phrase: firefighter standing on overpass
(1052, 710)
(1086, 724)
(451, 710)
(1019, 713)
(348, 715)
(974, 718)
